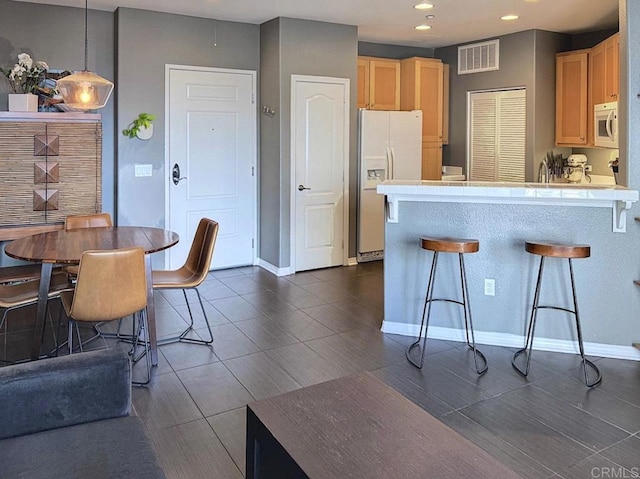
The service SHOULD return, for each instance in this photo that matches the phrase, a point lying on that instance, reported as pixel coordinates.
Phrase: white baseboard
(274, 269)
(352, 261)
(515, 341)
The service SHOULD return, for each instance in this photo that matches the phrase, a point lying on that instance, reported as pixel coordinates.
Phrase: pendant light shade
(85, 90)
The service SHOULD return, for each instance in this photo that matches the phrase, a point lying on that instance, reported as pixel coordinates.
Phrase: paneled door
(320, 151)
(211, 160)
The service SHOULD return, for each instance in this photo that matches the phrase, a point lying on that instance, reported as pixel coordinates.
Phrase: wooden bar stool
(448, 245)
(569, 252)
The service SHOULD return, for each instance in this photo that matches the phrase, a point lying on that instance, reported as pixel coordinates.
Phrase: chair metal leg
(425, 310)
(183, 335)
(528, 345)
(468, 322)
(142, 331)
(585, 361)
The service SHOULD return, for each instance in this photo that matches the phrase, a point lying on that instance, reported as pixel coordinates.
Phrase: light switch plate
(143, 170)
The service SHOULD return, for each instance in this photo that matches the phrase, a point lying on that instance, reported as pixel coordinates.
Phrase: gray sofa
(70, 417)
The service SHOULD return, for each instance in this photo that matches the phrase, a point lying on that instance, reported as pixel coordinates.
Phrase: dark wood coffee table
(357, 427)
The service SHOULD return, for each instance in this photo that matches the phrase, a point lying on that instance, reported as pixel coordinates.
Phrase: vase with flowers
(24, 78)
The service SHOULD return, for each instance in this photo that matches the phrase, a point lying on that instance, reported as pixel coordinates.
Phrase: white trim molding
(618, 198)
(352, 261)
(273, 269)
(515, 341)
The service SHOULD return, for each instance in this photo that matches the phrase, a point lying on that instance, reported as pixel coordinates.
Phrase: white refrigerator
(389, 147)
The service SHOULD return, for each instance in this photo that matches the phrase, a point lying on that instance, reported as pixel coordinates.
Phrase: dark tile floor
(274, 335)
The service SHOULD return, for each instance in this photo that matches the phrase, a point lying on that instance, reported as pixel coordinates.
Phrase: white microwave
(606, 124)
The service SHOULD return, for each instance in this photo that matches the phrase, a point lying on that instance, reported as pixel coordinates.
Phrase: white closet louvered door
(496, 135)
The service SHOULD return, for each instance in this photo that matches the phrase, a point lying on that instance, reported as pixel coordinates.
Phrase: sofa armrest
(64, 391)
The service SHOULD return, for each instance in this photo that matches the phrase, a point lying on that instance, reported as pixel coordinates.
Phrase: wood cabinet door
(571, 98)
(612, 68)
(445, 103)
(363, 83)
(431, 160)
(430, 99)
(384, 84)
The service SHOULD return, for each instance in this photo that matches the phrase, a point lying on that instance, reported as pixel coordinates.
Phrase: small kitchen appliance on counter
(575, 169)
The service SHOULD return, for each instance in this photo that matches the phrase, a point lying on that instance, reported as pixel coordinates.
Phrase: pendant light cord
(86, 41)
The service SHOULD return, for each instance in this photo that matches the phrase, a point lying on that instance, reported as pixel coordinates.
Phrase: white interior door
(320, 145)
(212, 141)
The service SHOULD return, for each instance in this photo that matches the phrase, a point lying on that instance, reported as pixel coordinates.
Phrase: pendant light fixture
(85, 90)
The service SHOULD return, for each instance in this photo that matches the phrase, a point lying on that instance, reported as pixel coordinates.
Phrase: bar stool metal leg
(585, 361)
(426, 309)
(528, 345)
(468, 322)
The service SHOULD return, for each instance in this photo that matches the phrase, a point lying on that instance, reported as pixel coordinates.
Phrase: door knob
(301, 187)
(175, 175)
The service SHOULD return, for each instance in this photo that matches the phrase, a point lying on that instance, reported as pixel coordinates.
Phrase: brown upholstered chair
(75, 222)
(192, 274)
(111, 285)
(25, 293)
(97, 220)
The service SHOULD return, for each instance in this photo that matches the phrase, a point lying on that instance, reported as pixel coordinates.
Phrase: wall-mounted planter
(141, 127)
(145, 132)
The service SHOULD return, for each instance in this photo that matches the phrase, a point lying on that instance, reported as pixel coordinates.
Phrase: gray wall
(300, 47)
(609, 302)
(399, 52)
(146, 42)
(270, 143)
(56, 35)
(527, 59)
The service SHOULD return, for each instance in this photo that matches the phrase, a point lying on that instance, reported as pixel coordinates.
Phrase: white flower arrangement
(25, 76)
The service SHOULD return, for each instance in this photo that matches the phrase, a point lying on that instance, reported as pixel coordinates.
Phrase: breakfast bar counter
(503, 216)
(618, 198)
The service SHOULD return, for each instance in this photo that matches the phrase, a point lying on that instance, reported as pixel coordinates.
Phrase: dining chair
(111, 285)
(97, 220)
(20, 294)
(75, 222)
(191, 275)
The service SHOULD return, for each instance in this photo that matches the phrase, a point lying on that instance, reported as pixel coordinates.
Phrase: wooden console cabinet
(50, 168)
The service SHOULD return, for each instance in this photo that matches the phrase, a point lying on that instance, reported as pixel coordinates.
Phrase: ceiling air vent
(479, 57)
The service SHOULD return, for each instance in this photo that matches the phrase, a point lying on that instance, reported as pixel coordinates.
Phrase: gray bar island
(502, 216)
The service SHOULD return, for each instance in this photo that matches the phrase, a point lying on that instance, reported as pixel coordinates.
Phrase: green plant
(144, 120)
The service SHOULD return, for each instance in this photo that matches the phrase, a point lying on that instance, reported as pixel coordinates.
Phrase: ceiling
(393, 21)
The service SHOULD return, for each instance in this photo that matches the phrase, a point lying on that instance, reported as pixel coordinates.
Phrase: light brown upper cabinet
(378, 83)
(424, 86)
(604, 70)
(571, 97)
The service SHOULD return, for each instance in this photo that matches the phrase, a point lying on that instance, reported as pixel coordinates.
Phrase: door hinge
(253, 243)
(253, 171)
(253, 98)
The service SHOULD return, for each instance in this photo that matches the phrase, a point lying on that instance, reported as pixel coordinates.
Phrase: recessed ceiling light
(509, 17)
(429, 17)
(423, 6)
(423, 27)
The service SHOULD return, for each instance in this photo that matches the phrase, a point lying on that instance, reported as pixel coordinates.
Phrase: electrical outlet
(489, 287)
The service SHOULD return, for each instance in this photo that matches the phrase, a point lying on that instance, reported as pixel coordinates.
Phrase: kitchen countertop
(618, 198)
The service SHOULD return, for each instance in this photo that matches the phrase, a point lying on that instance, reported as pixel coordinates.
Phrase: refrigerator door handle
(393, 173)
(388, 156)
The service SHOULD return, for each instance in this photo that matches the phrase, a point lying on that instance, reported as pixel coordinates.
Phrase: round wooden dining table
(66, 247)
